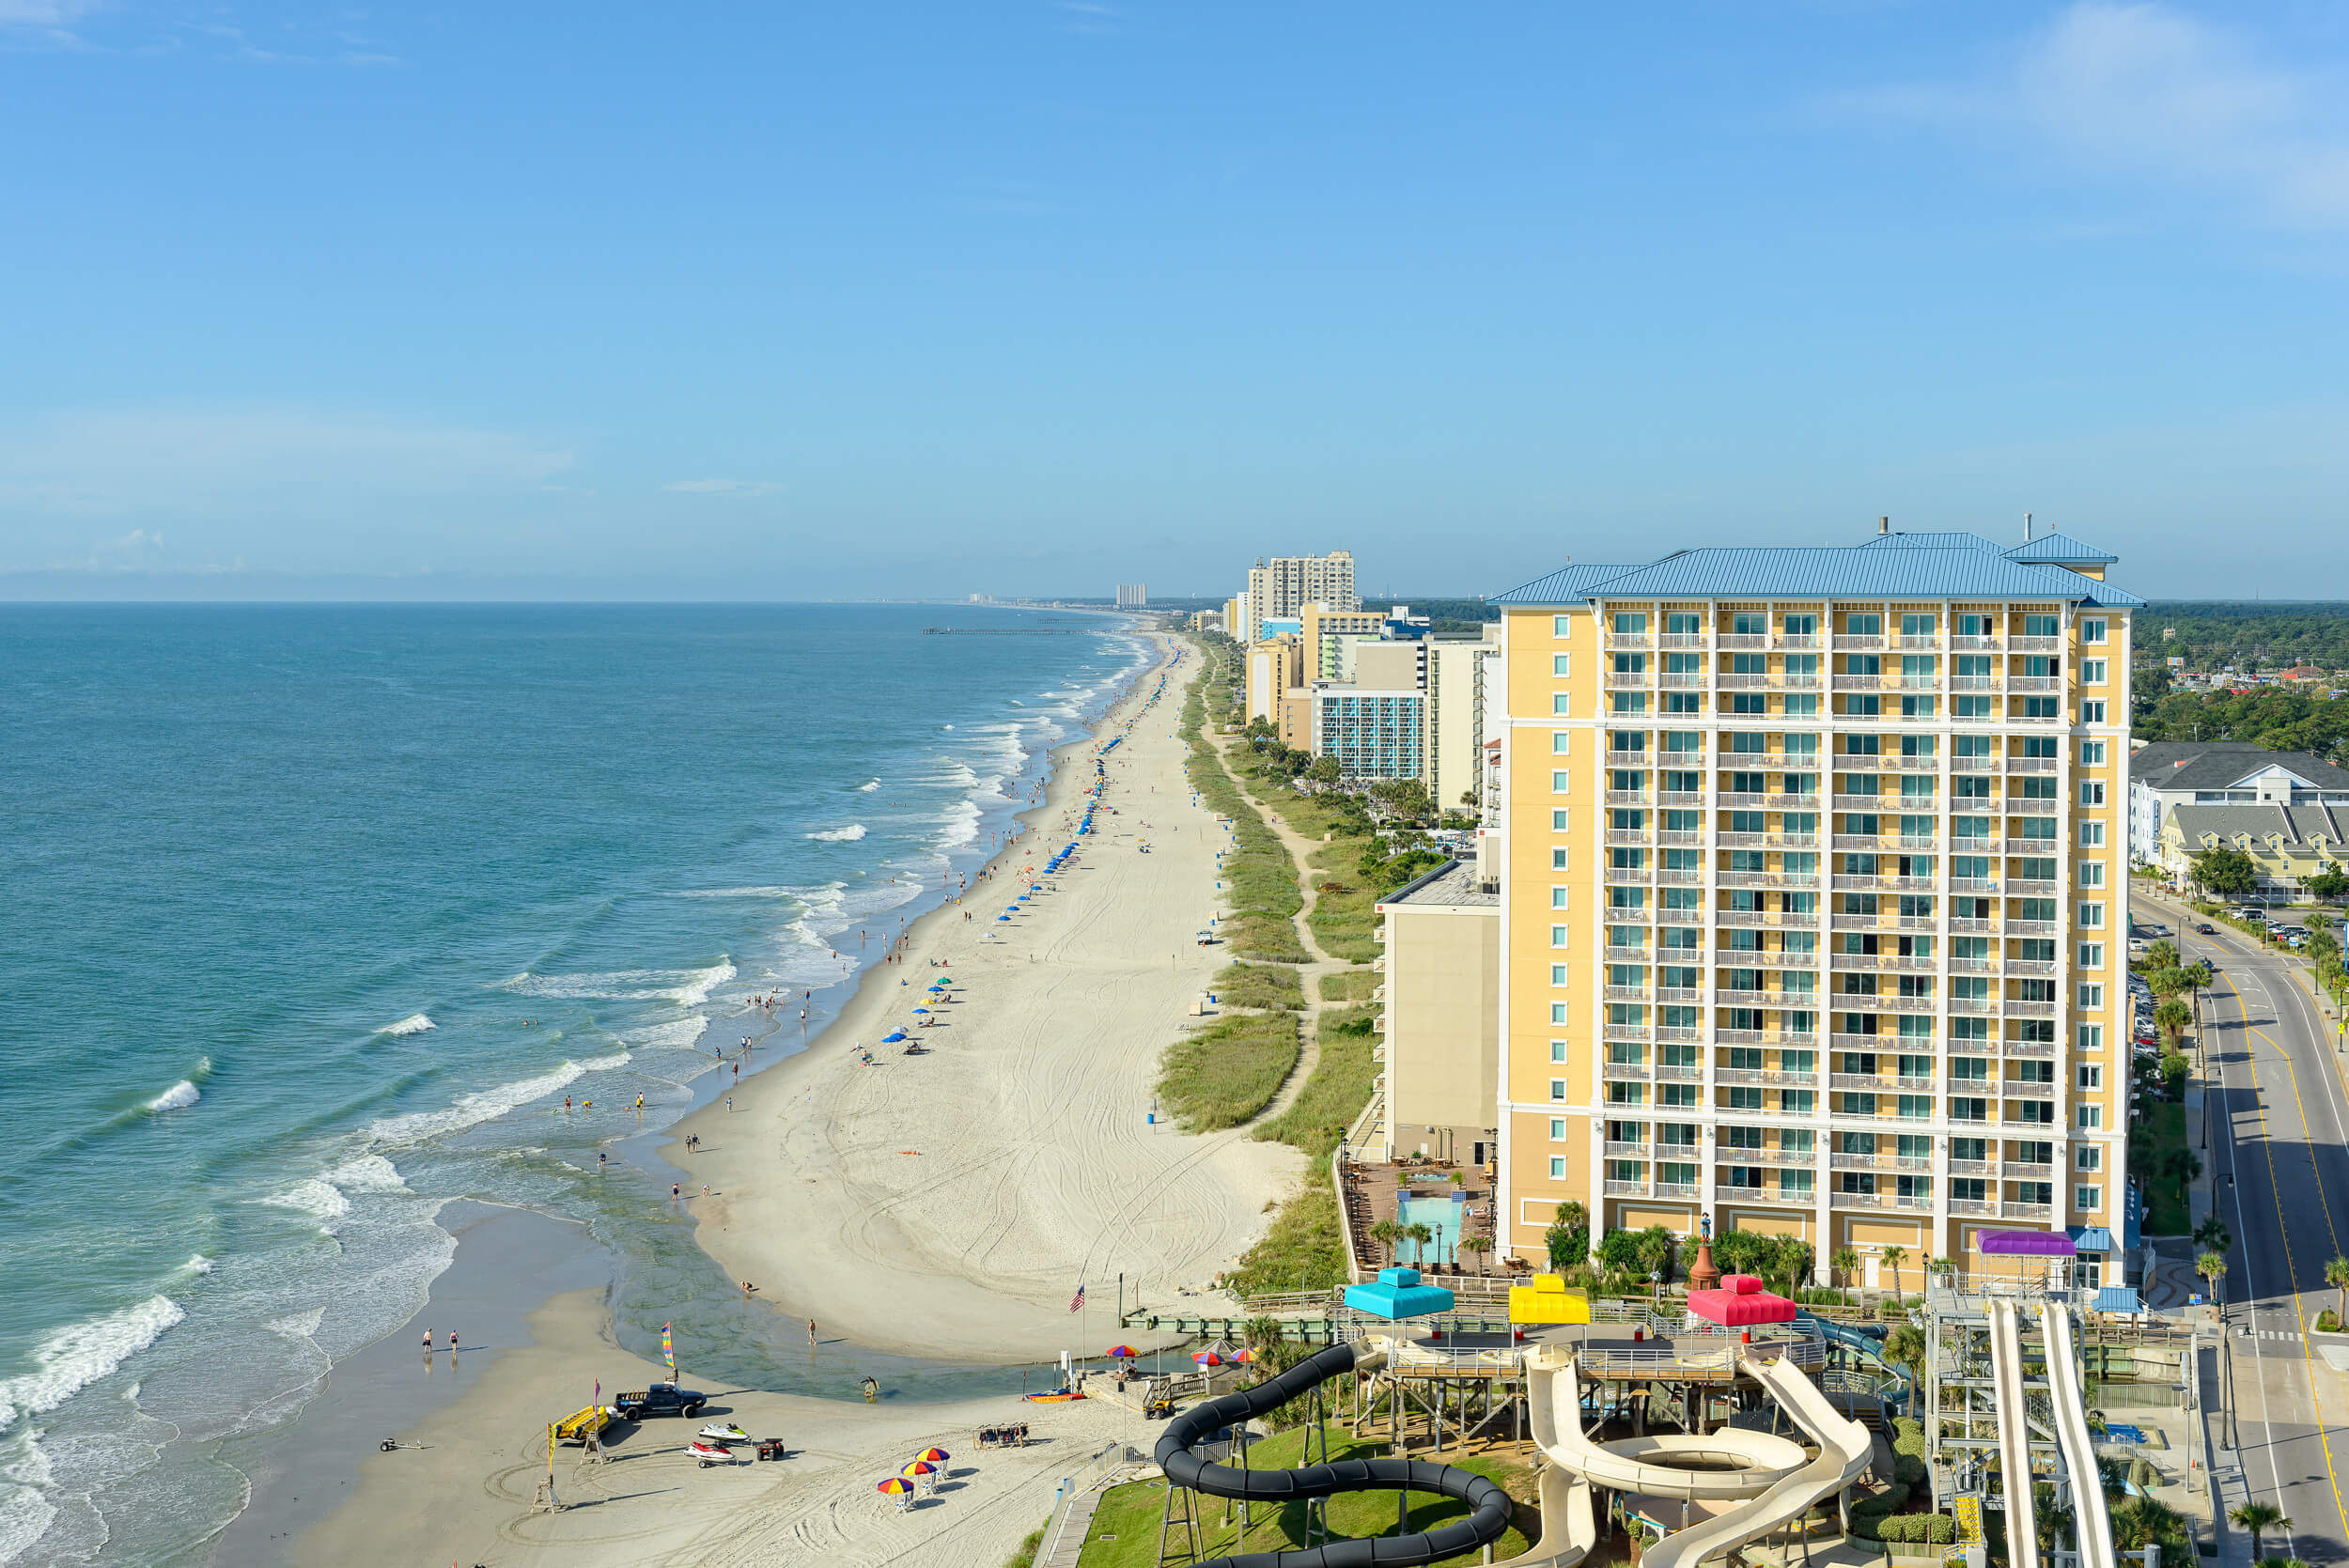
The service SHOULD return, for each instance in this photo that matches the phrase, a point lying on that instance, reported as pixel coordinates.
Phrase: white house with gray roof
(2166, 774)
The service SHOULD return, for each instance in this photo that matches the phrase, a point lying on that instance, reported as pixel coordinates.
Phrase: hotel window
(2091, 792)
(2092, 835)
(1557, 1169)
(1560, 706)
(2092, 873)
(2092, 713)
(2092, 915)
(1557, 859)
(1557, 1088)
(2092, 670)
(1557, 1050)
(1557, 975)
(2093, 995)
(2092, 1076)
(1561, 664)
(2092, 754)
(1561, 742)
(2089, 1156)
(2093, 632)
(2089, 1198)
(1557, 1012)
(1629, 623)
(1558, 898)
(2091, 1118)
(2040, 625)
(1556, 1129)
(1557, 821)
(2091, 1036)
(1563, 626)
(2091, 956)
(1558, 936)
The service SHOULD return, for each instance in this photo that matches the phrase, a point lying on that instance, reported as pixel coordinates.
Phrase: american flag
(1077, 1300)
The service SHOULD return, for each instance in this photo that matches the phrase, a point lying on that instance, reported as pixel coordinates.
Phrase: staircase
(1967, 1511)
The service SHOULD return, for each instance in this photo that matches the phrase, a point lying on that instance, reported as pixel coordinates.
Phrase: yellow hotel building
(1815, 905)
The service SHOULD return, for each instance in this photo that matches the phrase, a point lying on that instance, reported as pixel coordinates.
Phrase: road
(2278, 1131)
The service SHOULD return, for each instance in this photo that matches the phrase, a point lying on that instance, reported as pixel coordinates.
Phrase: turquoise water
(1440, 1215)
(316, 916)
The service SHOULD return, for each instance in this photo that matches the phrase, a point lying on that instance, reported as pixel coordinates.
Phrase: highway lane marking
(2291, 1267)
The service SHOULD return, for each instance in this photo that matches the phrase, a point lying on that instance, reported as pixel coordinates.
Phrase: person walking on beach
(729, 1105)
(427, 1341)
(811, 1330)
(677, 1190)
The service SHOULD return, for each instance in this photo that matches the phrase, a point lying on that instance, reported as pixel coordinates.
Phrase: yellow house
(2288, 844)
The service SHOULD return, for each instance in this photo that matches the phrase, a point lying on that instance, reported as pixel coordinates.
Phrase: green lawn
(2160, 1132)
(1125, 1531)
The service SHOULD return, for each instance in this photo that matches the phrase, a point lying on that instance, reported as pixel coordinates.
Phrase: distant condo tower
(1278, 588)
(1131, 596)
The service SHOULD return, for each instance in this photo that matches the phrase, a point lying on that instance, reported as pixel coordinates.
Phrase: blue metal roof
(2092, 1238)
(1923, 565)
(2064, 549)
(2118, 1298)
(1897, 540)
(1567, 585)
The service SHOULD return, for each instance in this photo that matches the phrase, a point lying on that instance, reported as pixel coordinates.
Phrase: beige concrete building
(1274, 669)
(1815, 901)
(1439, 995)
(1280, 587)
(1322, 626)
(1457, 671)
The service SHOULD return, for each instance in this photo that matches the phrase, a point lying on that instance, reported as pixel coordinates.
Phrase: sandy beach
(951, 1203)
(947, 1204)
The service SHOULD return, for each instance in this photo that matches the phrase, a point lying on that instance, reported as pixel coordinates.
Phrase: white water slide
(1770, 1482)
(2091, 1523)
(2006, 1373)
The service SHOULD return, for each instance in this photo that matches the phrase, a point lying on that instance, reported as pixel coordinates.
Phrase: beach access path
(951, 1203)
(464, 1492)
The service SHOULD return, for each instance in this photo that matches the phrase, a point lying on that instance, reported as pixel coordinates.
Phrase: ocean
(316, 917)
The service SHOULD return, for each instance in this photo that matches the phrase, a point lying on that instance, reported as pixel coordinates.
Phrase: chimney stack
(1884, 525)
(2026, 528)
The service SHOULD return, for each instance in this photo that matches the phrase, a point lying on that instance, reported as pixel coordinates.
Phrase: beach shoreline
(861, 1245)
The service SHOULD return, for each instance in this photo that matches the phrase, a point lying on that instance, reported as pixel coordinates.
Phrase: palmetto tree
(2257, 1517)
(1893, 1257)
(2336, 1276)
(2143, 1521)
(1846, 1262)
(1421, 1233)
(1384, 1233)
(2213, 1232)
(2212, 1267)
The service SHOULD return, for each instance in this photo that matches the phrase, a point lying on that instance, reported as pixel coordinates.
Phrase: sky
(798, 302)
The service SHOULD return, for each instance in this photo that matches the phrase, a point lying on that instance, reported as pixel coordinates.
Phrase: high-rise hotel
(1816, 909)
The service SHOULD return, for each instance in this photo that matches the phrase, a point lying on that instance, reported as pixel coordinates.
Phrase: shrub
(1935, 1529)
(1223, 1075)
(1908, 1469)
(1908, 1438)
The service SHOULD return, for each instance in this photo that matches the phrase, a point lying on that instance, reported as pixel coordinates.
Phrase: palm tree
(2212, 1267)
(2048, 1517)
(2172, 1018)
(1895, 1256)
(2279, 1562)
(1478, 1245)
(1262, 1333)
(1846, 1262)
(2141, 1522)
(2257, 1517)
(2213, 1232)
(1421, 1233)
(2336, 1276)
(1387, 1233)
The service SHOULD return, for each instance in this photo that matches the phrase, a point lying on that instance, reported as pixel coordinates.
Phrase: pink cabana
(1740, 1303)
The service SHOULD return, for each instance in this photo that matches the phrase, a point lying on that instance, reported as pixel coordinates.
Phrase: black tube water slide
(1488, 1505)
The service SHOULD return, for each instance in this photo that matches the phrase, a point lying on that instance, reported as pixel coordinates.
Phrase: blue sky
(796, 302)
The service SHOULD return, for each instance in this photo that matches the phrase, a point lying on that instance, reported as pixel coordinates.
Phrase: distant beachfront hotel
(1811, 906)
(1280, 587)
(1132, 596)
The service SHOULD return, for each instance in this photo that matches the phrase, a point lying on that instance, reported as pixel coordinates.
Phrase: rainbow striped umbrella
(936, 1456)
(920, 1467)
(895, 1486)
(1120, 1353)
(1208, 1358)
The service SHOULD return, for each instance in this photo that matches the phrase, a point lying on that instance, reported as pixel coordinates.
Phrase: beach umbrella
(936, 1456)
(1208, 1358)
(920, 1467)
(920, 1010)
(1120, 1353)
(1242, 1354)
(897, 1485)
(1002, 917)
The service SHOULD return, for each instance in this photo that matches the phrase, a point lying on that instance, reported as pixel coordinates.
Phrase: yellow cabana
(1548, 1300)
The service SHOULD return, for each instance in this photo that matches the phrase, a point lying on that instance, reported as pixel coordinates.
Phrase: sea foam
(414, 1023)
(367, 1173)
(78, 1354)
(848, 834)
(470, 1110)
(869, 788)
(315, 1198)
(178, 1097)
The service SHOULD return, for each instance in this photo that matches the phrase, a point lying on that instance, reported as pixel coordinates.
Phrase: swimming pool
(1440, 1215)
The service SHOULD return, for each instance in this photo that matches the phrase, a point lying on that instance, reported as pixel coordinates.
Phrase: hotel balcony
(1627, 993)
(1842, 1161)
(1776, 918)
(2022, 1172)
(1624, 1072)
(1762, 802)
(1679, 1075)
(1629, 796)
(2016, 1089)
(1771, 1078)
(1679, 839)
(1765, 1037)
(1631, 955)
(1805, 880)
(1678, 1189)
(1773, 841)
(2030, 765)
(1977, 644)
(1854, 643)
(1978, 1207)
(1687, 640)
(1908, 964)
(2034, 685)
(1625, 1190)
(1626, 1151)
(2028, 1211)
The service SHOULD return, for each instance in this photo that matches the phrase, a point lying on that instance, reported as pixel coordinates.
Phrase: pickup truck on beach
(662, 1399)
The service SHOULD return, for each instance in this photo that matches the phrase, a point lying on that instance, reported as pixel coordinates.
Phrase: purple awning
(2025, 1244)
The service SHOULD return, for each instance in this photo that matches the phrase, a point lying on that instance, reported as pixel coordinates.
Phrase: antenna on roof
(2026, 528)
(1884, 525)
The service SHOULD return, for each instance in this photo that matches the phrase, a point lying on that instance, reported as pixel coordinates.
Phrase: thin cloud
(2148, 93)
(110, 460)
(723, 486)
(42, 13)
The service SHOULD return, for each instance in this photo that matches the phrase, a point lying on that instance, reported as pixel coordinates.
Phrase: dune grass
(1348, 986)
(1259, 878)
(1228, 1072)
(1340, 1086)
(1266, 985)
